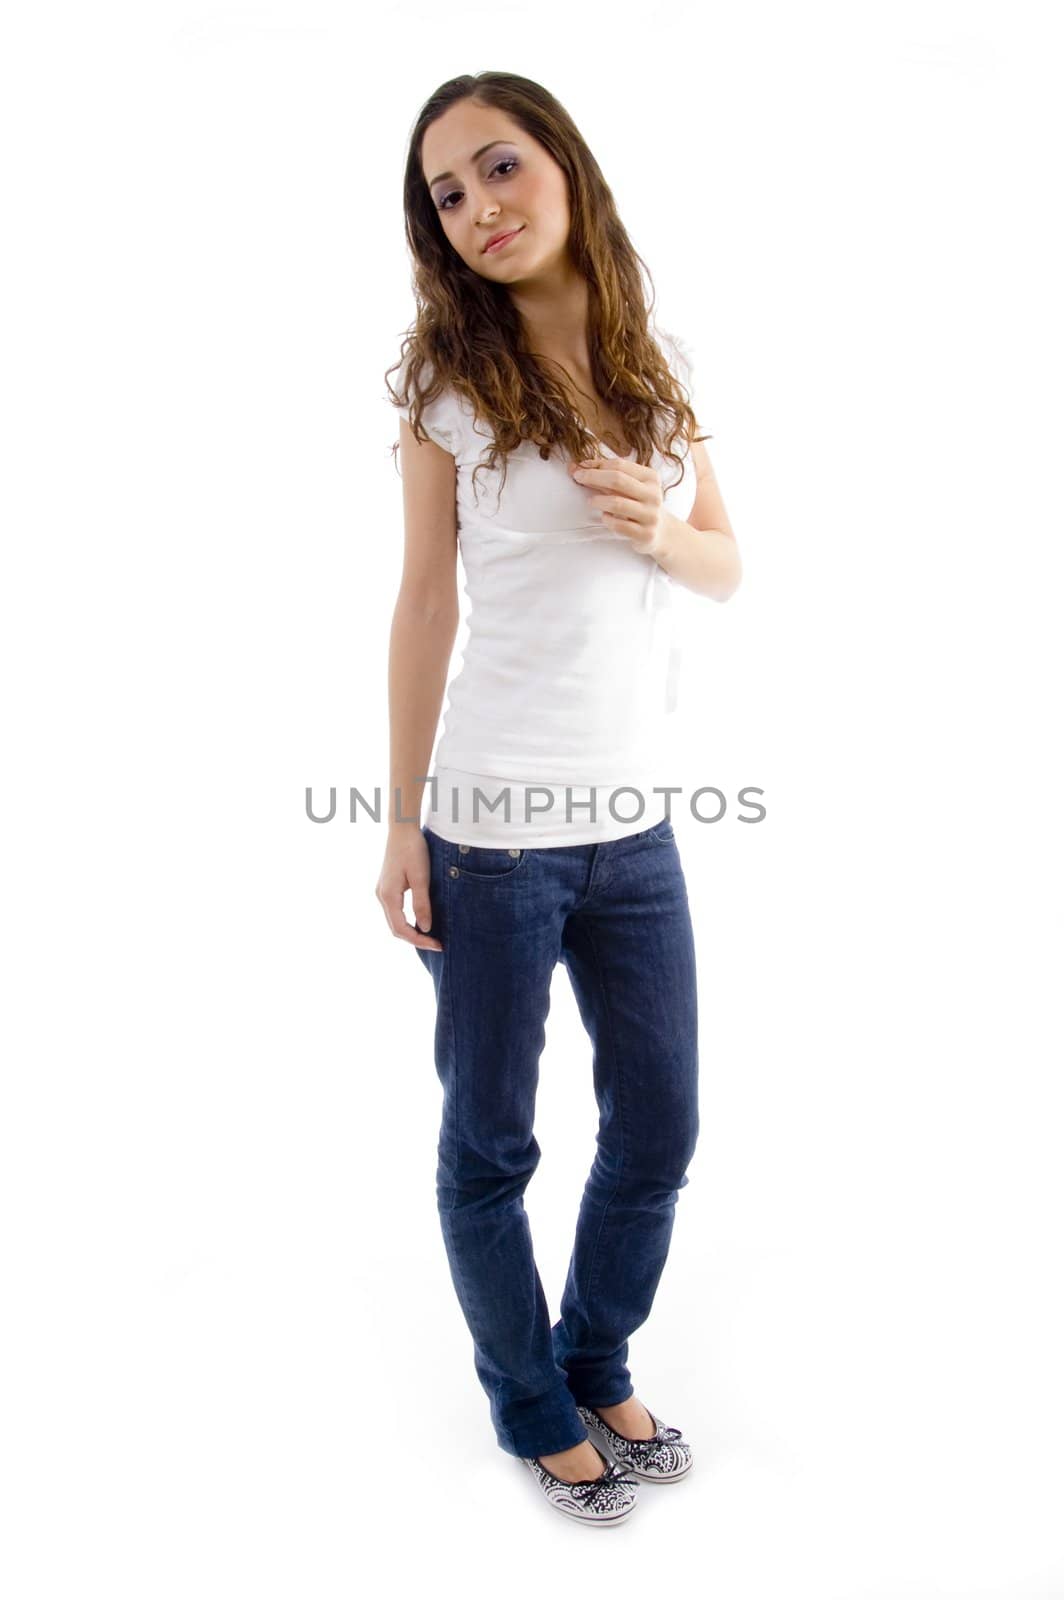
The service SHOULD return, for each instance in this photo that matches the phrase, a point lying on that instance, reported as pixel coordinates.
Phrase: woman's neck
(554, 315)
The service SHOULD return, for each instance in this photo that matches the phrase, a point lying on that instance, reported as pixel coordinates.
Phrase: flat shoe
(598, 1502)
(663, 1459)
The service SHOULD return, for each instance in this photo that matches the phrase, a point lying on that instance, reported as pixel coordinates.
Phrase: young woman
(531, 347)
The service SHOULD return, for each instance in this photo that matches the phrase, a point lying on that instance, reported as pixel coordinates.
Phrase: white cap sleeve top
(571, 663)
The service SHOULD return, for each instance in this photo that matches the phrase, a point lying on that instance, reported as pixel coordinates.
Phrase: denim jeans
(616, 915)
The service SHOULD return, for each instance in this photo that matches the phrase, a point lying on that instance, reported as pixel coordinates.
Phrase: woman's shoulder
(679, 355)
(445, 418)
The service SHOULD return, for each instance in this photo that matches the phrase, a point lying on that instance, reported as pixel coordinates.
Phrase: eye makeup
(507, 162)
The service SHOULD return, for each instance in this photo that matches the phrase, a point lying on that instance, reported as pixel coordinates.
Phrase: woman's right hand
(406, 866)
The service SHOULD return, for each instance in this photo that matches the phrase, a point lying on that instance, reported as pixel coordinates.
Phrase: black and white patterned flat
(662, 1459)
(601, 1502)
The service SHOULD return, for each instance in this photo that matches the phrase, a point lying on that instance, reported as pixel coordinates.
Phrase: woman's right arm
(424, 627)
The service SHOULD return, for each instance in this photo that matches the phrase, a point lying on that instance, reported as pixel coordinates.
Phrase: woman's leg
(499, 919)
(629, 950)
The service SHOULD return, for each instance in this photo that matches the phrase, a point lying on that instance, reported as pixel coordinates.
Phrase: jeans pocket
(488, 861)
(663, 833)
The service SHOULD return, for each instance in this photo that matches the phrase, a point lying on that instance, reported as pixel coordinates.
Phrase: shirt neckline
(615, 454)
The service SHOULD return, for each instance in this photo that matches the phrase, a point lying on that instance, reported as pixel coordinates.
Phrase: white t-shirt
(570, 668)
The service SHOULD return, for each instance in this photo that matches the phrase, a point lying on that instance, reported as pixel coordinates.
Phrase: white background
(233, 1362)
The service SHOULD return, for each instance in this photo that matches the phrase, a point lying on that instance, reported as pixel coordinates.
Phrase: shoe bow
(642, 1448)
(590, 1487)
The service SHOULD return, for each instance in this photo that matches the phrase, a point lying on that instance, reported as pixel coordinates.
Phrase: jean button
(463, 849)
(453, 871)
(514, 852)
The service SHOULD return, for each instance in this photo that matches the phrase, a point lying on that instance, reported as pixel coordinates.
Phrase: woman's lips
(500, 244)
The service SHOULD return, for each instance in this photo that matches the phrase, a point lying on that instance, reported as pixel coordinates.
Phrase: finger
(393, 910)
(624, 506)
(420, 941)
(637, 532)
(419, 935)
(419, 897)
(614, 472)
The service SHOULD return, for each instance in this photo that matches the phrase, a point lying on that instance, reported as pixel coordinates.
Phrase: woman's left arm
(700, 554)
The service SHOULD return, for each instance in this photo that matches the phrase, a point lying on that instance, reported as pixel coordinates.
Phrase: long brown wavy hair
(467, 333)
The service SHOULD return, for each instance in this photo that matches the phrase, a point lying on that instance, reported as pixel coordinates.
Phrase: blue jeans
(616, 915)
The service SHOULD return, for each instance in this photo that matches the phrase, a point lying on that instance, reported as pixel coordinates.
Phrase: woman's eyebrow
(475, 157)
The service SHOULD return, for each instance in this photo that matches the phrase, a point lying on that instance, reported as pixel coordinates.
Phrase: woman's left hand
(630, 498)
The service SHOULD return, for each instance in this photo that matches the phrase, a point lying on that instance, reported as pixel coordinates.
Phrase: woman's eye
(507, 161)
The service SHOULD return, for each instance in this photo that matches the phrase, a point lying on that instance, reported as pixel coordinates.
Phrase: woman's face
(480, 192)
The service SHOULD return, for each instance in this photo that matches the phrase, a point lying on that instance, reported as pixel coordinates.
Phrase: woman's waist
(555, 811)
